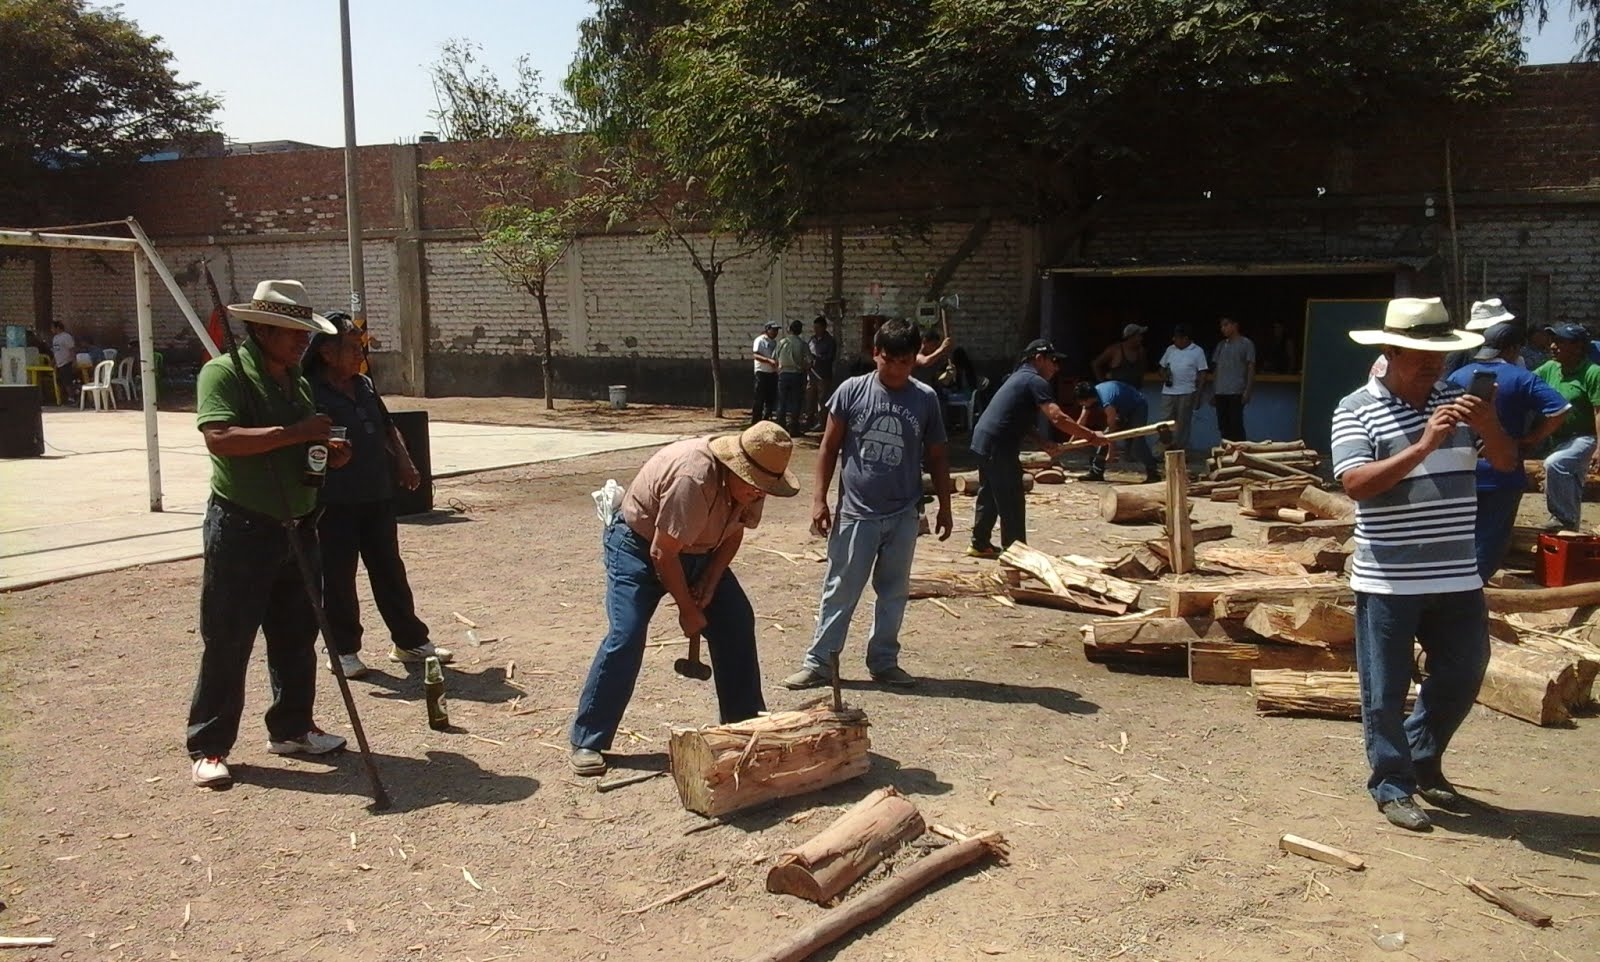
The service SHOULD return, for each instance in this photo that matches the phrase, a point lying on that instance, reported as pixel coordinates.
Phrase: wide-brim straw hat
(283, 304)
(760, 455)
(1486, 314)
(1421, 324)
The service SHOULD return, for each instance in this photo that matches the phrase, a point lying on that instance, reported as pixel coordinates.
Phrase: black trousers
(368, 531)
(765, 407)
(1230, 416)
(252, 582)
(1000, 498)
(66, 379)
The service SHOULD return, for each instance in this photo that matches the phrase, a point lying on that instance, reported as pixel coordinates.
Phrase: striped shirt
(1417, 537)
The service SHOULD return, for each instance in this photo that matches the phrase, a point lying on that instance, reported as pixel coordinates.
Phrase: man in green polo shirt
(258, 420)
(1573, 443)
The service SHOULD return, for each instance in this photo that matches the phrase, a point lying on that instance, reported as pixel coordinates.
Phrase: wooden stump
(1534, 686)
(1328, 505)
(725, 768)
(846, 850)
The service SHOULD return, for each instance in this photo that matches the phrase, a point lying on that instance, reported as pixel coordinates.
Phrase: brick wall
(16, 292)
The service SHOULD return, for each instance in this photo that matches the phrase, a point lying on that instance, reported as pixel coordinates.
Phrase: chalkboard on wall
(1333, 365)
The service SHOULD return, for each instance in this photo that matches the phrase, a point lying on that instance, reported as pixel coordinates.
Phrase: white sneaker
(212, 772)
(353, 666)
(313, 742)
(416, 656)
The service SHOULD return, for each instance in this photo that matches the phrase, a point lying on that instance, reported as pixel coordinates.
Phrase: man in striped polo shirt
(1405, 449)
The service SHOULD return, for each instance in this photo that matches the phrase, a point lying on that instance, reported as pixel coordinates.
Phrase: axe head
(692, 668)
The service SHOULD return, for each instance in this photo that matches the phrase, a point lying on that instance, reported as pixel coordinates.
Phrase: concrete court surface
(83, 508)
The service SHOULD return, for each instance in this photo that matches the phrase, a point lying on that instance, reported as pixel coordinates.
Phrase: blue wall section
(1272, 415)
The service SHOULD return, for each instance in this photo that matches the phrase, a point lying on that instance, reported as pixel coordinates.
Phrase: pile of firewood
(1236, 462)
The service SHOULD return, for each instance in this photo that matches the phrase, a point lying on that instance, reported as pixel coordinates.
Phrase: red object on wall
(1567, 560)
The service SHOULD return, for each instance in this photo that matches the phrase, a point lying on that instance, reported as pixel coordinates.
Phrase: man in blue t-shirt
(885, 424)
(1530, 411)
(1125, 409)
(1012, 414)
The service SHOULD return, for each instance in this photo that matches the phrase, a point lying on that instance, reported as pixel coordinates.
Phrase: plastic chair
(963, 401)
(100, 387)
(125, 379)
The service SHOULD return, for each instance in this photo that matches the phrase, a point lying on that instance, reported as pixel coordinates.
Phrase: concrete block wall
(1516, 242)
(473, 309)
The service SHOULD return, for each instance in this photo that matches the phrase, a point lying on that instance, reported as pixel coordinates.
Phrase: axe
(692, 666)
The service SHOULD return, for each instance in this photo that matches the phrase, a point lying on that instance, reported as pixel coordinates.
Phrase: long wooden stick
(881, 899)
(1138, 432)
(680, 894)
(623, 781)
(26, 941)
(1542, 599)
(1517, 907)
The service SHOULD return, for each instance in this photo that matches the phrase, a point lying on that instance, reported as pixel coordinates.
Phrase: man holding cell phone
(1530, 411)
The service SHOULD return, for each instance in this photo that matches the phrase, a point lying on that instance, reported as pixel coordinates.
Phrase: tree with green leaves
(525, 174)
(1050, 111)
(84, 85)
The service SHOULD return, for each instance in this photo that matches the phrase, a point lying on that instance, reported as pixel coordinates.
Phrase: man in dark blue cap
(1577, 379)
(1012, 414)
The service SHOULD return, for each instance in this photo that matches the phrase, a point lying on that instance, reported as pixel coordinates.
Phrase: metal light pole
(352, 198)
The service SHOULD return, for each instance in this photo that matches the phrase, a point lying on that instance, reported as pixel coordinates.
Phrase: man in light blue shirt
(885, 425)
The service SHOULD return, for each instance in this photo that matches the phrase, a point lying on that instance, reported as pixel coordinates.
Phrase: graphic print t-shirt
(885, 432)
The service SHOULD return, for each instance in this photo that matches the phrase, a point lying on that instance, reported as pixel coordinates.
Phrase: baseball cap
(1570, 332)
(1180, 330)
(772, 325)
(1042, 348)
(1503, 336)
(1132, 329)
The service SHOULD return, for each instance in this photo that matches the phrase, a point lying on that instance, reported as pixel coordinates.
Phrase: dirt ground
(1162, 847)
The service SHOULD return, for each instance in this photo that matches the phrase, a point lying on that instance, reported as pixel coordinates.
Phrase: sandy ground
(1162, 849)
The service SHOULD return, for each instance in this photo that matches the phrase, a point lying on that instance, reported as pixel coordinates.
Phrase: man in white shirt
(63, 351)
(765, 354)
(1181, 367)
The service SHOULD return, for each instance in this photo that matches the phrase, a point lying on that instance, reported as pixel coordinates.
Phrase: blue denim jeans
(632, 593)
(250, 581)
(1497, 515)
(881, 549)
(1453, 630)
(1564, 473)
(791, 395)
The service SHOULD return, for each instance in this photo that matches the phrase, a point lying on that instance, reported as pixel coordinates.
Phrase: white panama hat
(1421, 324)
(1486, 314)
(282, 304)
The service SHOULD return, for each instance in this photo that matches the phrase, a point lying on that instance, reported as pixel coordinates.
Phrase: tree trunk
(1507, 600)
(849, 848)
(1134, 503)
(709, 276)
(725, 768)
(547, 361)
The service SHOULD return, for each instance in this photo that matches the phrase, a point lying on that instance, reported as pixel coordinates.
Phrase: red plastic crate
(1567, 561)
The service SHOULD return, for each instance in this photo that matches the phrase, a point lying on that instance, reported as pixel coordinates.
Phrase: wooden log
(1292, 515)
(1273, 467)
(1230, 663)
(1260, 446)
(1154, 642)
(1534, 686)
(1328, 505)
(1226, 492)
(1197, 597)
(725, 768)
(1293, 457)
(1326, 854)
(1260, 561)
(1308, 622)
(859, 839)
(906, 882)
(1067, 601)
(1050, 476)
(1507, 600)
(1528, 913)
(1140, 564)
(1239, 602)
(1134, 503)
(966, 482)
(1222, 474)
(1180, 532)
(1287, 533)
(1268, 498)
(1064, 578)
(1311, 694)
(955, 584)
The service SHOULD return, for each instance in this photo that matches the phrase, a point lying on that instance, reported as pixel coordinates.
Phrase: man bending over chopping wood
(680, 525)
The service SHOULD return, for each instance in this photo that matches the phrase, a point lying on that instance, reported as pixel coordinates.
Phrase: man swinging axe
(256, 413)
(680, 525)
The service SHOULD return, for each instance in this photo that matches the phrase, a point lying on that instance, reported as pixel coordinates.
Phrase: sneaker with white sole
(352, 664)
(314, 742)
(416, 656)
(212, 772)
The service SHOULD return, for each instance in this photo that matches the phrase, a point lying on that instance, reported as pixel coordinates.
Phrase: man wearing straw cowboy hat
(257, 415)
(1404, 449)
(680, 525)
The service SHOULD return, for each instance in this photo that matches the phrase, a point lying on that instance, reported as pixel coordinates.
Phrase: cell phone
(1482, 384)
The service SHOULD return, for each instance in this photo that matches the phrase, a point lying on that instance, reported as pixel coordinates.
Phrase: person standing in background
(1233, 364)
(1575, 378)
(765, 354)
(1181, 367)
(64, 353)
(792, 356)
(819, 379)
(1125, 360)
